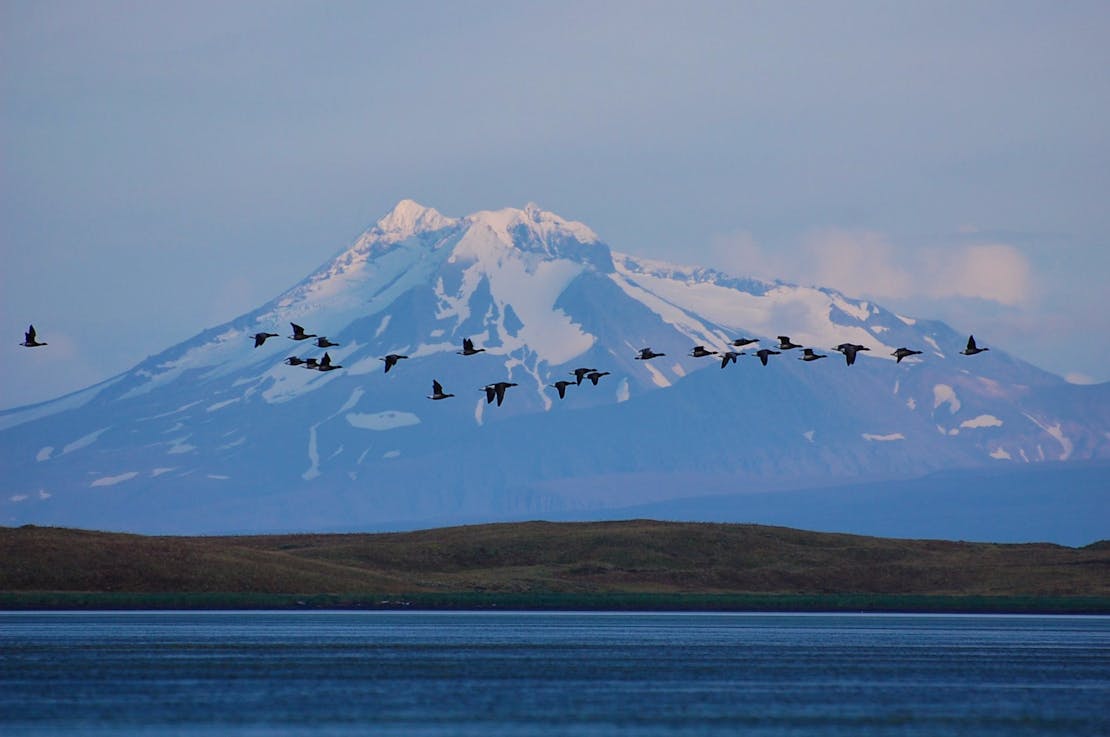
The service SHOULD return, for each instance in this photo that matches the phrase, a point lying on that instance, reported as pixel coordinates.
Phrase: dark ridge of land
(636, 564)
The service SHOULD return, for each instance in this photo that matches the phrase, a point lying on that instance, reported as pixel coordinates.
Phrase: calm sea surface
(417, 673)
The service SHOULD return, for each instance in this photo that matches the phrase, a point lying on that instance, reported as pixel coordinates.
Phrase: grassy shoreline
(554, 601)
(631, 565)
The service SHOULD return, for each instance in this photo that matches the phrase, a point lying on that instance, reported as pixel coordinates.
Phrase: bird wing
(971, 343)
(30, 334)
(436, 388)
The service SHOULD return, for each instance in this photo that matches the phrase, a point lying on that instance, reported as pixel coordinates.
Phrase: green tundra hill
(626, 564)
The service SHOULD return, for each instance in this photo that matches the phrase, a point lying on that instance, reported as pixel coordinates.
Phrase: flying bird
(972, 349)
(903, 353)
(437, 391)
(326, 364)
(299, 333)
(468, 348)
(579, 373)
(311, 363)
(699, 351)
(29, 338)
(594, 376)
(497, 391)
(391, 361)
(260, 338)
(741, 342)
(785, 344)
(730, 356)
(561, 387)
(850, 350)
(763, 353)
(294, 361)
(646, 354)
(323, 342)
(809, 355)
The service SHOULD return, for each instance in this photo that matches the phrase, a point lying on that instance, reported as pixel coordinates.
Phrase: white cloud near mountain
(867, 263)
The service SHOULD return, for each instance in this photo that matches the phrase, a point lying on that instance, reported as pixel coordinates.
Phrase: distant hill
(637, 557)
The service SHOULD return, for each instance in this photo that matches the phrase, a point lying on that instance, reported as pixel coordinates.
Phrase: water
(417, 673)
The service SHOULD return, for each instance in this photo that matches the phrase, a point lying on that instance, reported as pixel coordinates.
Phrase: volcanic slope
(215, 435)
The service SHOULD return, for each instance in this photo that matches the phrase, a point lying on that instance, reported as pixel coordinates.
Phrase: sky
(165, 167)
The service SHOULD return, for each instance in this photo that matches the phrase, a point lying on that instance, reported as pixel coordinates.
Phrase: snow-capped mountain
(216, 435)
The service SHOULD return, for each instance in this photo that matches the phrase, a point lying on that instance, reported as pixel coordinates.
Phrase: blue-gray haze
(167, 167)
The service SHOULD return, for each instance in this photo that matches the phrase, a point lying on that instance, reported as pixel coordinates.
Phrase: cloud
(867, 263)
(995, 272)
(856, 262)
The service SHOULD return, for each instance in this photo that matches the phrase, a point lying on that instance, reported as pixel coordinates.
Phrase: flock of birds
(495, 392)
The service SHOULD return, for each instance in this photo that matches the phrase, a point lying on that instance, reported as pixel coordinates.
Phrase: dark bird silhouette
(391, 361)
(497, 391)
(294, 361)
(646, 354)
(260, 338)
(579, 373)
(561, 387)
(850, 350)
(299, 333)
(741, 342)
(437, 391)
(323, 342)
(594, 376)
(699, 351)
(469, 349)
(29, 338)
(785, 344)
(972, 349)
(311, 363)
(903, 353)
(326, 364)
(730, 356)
(809, 355)
(763, 353)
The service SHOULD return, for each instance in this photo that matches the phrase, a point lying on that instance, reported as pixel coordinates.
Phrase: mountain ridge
(214, 421)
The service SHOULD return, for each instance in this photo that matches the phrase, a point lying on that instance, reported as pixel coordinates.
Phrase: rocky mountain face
(215, 435)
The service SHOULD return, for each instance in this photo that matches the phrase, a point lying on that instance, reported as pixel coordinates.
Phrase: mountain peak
(409, 217)
(534, 219)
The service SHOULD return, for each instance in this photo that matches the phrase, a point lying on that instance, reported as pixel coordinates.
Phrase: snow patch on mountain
(113, 480)
(388, 420)
(85, 440)
(1056, 431)
(883, 438)
(657, 376)
(982, 421)
(944, 394)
